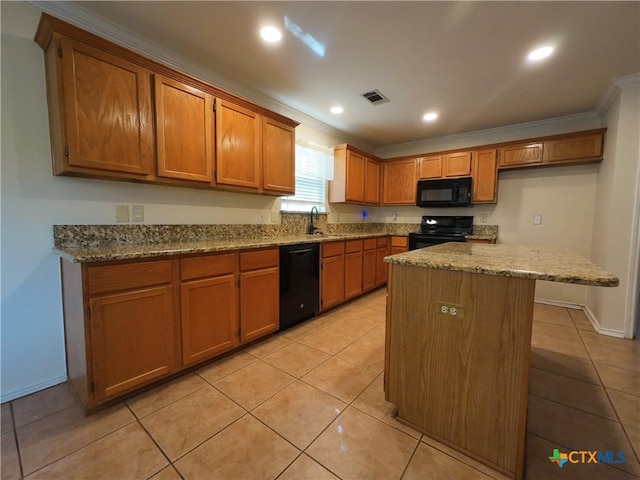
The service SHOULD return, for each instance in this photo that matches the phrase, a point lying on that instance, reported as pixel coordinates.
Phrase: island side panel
(462, 380)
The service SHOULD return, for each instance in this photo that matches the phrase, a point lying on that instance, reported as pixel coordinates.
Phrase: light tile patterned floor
(308, 404)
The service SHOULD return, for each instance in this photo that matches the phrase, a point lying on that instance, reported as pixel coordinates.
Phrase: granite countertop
(490, 237)
(536, 263)
(127, 252)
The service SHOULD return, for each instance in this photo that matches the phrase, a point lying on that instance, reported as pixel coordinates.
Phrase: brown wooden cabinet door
(355, 177)
(521, 154)
(209, 317)
(372, 182)
(107, 108)
(369, 260)
(430, 167)
(278, 157)
(237, 145)
(331, 281)
(184, 131)
(457, 164)
(352, 274)
(574, 149)
(399, 179)
(132, 339)
(259, 303)
(485, 176)
(381, 267)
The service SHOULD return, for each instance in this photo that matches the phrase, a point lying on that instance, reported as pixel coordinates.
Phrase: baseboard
(589, 314)
(6, 397)
(559, 303)
(604, 331)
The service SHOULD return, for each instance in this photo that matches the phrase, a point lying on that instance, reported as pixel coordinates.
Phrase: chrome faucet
(312, 228)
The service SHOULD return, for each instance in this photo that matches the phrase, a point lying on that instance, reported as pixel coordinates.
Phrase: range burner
(441, 229)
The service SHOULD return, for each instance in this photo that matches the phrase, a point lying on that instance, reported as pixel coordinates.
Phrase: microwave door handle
(455, 193)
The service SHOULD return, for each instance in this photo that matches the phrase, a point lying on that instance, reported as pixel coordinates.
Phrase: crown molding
(82, 18)
(614, 88)
(589, 120)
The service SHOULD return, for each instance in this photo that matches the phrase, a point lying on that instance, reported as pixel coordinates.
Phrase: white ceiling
(464, 59)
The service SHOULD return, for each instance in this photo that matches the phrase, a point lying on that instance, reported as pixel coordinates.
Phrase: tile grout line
(15, 439)
(566, 376)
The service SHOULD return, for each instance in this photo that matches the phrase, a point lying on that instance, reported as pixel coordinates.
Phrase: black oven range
(436, 229)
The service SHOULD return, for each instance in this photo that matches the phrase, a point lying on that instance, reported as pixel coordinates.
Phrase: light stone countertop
(537, 263)
(127, 252)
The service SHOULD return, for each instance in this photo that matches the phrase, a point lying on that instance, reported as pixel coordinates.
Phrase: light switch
(122, 213)
(537, 219)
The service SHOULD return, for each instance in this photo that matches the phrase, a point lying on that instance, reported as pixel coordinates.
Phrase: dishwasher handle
(300, 252)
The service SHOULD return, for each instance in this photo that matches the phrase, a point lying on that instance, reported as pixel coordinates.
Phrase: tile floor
(308, 404)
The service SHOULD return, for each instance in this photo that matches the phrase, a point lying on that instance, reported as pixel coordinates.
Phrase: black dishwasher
(299, 283)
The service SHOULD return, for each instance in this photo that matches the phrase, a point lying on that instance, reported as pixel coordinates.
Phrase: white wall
(616, 214)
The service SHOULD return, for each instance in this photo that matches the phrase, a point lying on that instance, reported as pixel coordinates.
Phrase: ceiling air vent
(375, 97)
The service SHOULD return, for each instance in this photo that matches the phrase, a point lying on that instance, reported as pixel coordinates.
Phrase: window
(312, 162)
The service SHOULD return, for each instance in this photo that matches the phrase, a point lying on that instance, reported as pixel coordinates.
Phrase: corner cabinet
(116, 115)
(129, 324)
(399, 180)
(356, 177)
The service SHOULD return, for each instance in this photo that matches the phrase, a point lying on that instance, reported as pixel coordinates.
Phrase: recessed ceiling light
(430, 116)
(540, 53)
(270, 34)
(337, 110)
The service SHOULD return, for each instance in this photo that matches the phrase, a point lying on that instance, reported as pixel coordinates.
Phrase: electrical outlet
(482, 218)
(450, 309)
(122, 213)
(394, 216)
(137, 212)
(275, 217)
(537, 219)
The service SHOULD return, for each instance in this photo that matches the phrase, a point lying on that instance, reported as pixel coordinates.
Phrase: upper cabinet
(570, 148)
(184, 131)
(430, 167)
(278, 157)
(456, 164)
(484, 184)
(521, 154)
(237, 145)
(581, 148)
(399, 180)
(100, 111)
(356, 177)
(102, 100)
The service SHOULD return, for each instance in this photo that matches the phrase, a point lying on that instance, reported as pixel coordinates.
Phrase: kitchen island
(459, 319)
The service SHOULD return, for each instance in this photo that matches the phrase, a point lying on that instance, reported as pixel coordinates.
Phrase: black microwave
(446, 192)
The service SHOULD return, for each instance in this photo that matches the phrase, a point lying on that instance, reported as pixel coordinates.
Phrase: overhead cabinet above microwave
(116, 115)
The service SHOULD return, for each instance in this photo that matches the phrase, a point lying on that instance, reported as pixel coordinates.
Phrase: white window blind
(312, 163)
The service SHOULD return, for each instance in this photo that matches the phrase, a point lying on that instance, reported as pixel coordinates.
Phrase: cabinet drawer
(111, 278)
(208, 266)
(267, 257)
(382, 241)
(351, 246)
(399, 241)
(333, 248)
(369, 243)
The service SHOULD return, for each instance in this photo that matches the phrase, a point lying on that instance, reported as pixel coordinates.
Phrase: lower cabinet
(209, 305)
(259, 303)
(331, 274)
(382, 250)
(369, 262)
(132, 339)
(128, 324)
(353, 269)
(399, 244)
